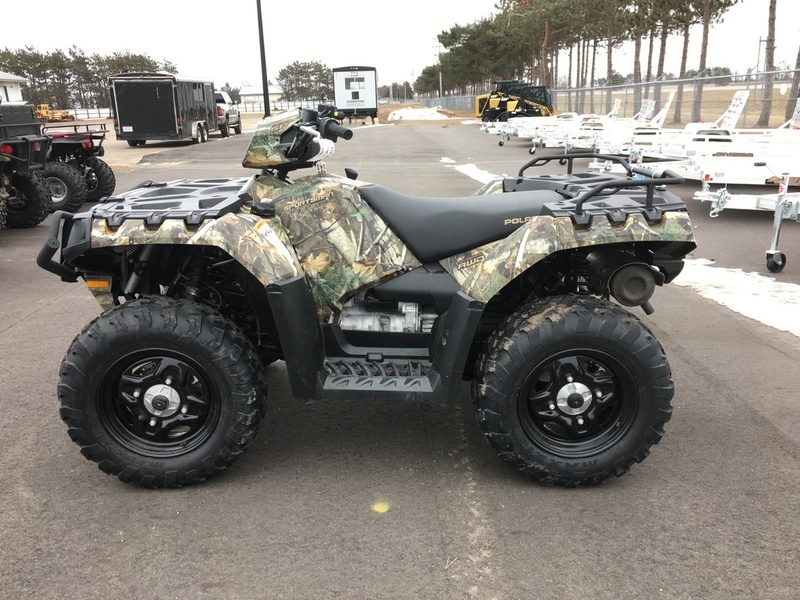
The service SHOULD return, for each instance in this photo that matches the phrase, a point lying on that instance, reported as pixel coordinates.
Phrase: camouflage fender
(484, 271)
(249, 239)
(343, 246)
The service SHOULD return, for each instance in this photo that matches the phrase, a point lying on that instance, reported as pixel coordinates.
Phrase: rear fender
(484, 271)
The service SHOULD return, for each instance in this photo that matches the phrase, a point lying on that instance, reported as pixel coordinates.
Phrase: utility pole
(264, 80)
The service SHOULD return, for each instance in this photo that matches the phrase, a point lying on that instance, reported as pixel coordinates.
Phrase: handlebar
(331, 127)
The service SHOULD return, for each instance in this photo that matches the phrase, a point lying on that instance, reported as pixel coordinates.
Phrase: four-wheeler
(25, 199)
(525, 288)
(74, 170)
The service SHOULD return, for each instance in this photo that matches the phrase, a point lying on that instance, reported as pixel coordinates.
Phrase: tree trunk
(769, 65)
(543, 78)
(591, 76)
(637, 73)
(678, 116)
(649, 76)
(609, 65)
(790, 105)
(662, 52)
(698, 88)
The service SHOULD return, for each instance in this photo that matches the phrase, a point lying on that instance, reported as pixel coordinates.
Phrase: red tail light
(220, 112)
(6, 149)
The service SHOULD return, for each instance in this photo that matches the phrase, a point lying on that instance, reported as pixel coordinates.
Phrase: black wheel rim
(91, 181)
(159, 403)
(578, 403)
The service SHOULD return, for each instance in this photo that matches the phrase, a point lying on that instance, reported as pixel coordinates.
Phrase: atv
(75, 170)
(25, 200)
(525, 288)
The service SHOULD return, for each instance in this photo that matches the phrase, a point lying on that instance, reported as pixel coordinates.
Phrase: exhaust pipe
(629, 280)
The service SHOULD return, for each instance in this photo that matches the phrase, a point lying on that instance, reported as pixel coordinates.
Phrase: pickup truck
(227, 114)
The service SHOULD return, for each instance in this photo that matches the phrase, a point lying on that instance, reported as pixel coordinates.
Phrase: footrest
(390, 376)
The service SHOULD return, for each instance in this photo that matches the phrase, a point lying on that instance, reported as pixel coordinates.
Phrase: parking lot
(711, 514)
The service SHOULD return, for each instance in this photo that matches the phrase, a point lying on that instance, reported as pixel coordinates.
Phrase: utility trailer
(355, 92)
(162, 106)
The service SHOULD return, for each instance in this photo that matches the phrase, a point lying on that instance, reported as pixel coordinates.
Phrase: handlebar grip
(336, 129)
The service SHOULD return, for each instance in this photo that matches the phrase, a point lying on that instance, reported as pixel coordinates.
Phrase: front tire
(67, 185)
(161, 392)
(573, 390)
(100, 180)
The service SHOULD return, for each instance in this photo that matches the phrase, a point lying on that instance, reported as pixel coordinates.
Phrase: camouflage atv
(368, 293)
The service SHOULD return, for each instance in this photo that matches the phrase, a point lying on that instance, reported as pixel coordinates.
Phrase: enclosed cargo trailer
(162, 106)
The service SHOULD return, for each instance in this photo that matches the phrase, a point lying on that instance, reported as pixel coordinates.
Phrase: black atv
(25, 199)
(524, 288)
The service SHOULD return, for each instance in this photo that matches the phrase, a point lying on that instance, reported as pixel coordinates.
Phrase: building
(255, 95)
(11, 87)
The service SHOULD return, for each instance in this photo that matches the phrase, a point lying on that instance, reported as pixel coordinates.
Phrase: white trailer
(355, 92)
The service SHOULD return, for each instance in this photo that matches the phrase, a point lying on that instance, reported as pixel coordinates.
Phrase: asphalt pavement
(382, 500)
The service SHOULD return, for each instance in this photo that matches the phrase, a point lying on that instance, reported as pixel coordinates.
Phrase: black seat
(435, 228)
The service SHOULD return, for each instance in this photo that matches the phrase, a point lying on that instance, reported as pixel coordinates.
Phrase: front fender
(256, 243)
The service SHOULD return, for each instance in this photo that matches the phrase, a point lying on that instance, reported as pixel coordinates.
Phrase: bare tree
(795, 88)
(769, 66)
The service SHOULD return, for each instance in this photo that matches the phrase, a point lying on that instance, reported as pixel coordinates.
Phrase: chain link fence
(696, 99)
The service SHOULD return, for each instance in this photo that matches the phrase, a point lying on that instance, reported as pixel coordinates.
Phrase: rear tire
(573, 390)
(162, 393)
(29, 202)
(238, 127)
(225, 129)
(100, 179)
(67, 186)
(3, 214)
(133, 143)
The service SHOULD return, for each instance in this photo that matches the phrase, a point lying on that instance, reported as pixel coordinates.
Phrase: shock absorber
(194, 271)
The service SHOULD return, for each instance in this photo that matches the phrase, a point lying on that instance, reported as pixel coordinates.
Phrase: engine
(362, 313)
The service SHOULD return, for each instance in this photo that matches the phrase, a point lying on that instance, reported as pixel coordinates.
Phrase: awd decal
(471, 261)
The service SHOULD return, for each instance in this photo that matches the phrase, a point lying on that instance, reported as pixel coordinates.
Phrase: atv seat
(435, 228)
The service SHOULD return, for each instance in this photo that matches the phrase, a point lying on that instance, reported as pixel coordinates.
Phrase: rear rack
(596, 188)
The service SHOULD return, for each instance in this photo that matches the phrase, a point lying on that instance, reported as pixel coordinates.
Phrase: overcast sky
(220, 39)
